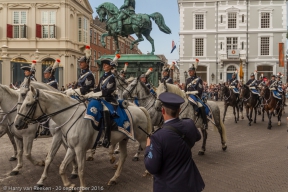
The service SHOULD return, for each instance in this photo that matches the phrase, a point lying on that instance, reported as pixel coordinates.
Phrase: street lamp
(213, 76)
(185, 75)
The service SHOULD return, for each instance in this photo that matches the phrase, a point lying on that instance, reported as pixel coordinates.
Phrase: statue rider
(127, 9)
(29, 72)
(194, 87)
(233, 83)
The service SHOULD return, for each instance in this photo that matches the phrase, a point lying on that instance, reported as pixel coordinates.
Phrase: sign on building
(233, 54)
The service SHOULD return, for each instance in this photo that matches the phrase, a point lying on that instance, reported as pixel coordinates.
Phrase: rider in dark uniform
(252, 82)
(143, 79)
(234, 85)
(272, 80)
(86, 81)
(49, 74)
(194, 83)
(30, 71)
(166, 75)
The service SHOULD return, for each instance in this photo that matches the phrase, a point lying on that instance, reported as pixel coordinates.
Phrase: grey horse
(187, 111)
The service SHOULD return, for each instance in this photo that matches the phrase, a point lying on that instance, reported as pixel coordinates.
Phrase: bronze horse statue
(139, 24)
(250, 102)
(270, 103)
(230, 99)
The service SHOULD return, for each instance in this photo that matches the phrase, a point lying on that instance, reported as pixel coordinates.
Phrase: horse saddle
(255, 91)
(279, 89)
(276, 94)
(235, 89)
(194, 99)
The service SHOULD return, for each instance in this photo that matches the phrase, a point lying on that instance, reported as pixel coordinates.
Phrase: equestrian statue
(124, 22)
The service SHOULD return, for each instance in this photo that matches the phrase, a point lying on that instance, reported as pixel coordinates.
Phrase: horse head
(106, 9)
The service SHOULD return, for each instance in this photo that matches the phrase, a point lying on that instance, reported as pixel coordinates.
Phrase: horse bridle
(28, 118)
(7, 113)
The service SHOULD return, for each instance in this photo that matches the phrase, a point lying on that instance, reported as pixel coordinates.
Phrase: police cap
(171, 100)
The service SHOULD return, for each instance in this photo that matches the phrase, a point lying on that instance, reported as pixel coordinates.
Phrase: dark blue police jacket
(169, 158)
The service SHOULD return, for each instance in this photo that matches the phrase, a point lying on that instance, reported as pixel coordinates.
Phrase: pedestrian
(168, 154)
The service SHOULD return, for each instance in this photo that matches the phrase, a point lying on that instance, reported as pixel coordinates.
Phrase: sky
(162, 41)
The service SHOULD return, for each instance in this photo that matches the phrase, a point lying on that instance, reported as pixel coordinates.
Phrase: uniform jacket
(32, 77)
(250, 81)
(169, 158)
(167, 80)
(52, 82)
(194, 87)
(234, 82)
(271, 82)
(86, 82)
(107, 85)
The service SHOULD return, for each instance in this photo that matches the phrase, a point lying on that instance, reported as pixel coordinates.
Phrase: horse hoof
(110, 183)
(249, 124)
(262, 119)
(242, 117)
(116, 152)
(90, 159)
(12, 159)
(135, 159)
(268, 127)
(224, 148)
(146, 174)
(13, 173)
(201, 153)
(73, 176)
(42, 163)
(112, 160)
(254, 121)
(279, 123)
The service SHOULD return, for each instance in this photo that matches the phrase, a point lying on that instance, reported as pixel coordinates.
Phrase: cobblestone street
(256, 160)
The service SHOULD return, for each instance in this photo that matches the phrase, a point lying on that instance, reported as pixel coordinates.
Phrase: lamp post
(185, 75)
(212, 76)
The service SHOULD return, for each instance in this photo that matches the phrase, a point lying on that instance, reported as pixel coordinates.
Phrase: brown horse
(250, 102)
(270, 104)
(230, 99)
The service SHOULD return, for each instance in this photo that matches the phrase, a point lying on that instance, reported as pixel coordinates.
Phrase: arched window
(231, 68)
(266, 70)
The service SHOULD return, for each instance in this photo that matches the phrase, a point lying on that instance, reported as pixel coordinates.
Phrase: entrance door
(229, 76)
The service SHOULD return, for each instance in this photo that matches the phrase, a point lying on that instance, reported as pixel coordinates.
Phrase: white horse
(187, 111)
(56, 133)
(77, 131)
(23, 138)
(5, 128)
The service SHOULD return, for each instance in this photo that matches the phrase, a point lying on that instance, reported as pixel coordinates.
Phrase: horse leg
(11, 137)
(234, 112)
(56, 143)
(19, 144)
(255, 112)
(116, 42)
(222, 131)
(150, 39)
(111, 153)
(91, 153)
(80, 155)
(27, 144)
(263, 113)
(116, 151)
(70, 155)
(74, 173)
(279, 116)
(225, 110)
(241, 109)
(250, 115)
(123, 155)
(136, 156)
(139, 35)
(102, 39)
(203, 148)
(269, 114)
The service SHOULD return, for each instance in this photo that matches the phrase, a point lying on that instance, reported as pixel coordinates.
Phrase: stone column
(6, 66)
(38, 66)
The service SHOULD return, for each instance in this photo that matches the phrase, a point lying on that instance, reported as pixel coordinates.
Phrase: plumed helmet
(87, 56)
(114, 62)
(252, 75)
(194, 66)
(124, 69)
(52, 68)
(149, 71)
(235, 73)
(255, 72)
(30, 68)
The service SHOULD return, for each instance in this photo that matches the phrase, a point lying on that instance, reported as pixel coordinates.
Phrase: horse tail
(223, 128)
(149, 126)
(159, 20)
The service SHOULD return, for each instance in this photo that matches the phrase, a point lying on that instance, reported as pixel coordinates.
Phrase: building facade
(43, 31)
(221, 33)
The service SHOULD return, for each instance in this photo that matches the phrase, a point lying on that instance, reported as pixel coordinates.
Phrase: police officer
(166, 76)
(168, 156)
(105, 88)
(49, 74)
(194, 83)
(29, 72)
(86, 81)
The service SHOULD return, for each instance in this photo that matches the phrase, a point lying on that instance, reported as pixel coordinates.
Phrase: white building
(219, 33)
(43, 31)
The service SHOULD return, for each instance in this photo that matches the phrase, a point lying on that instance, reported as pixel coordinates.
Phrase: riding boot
(204, 117)
(107, 126)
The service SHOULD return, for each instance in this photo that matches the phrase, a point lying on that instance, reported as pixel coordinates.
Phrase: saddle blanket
(122, 117)
(280, 89)
(236, 91)
(194, 99)
(255, 91)
(276, 94)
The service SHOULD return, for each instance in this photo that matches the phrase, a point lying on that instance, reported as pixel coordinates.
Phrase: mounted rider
(253, 83)
(166, 74)
(233, 84)
(276, 87)
(143, 79)
(272, 79)
(49, 74)
(29, 72)
(86, 81)
(126, 10)
(194, 88)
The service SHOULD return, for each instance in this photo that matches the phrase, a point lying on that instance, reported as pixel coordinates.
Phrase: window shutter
(38, 31)
(25, 31)
(9, 31)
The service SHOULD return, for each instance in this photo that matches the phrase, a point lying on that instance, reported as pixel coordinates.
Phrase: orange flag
(241, 74)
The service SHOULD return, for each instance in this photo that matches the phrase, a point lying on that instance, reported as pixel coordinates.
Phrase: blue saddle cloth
(235, 90)
(194, 99)
(280, 89)
(276, 94)
(122, 117)
(255, 91)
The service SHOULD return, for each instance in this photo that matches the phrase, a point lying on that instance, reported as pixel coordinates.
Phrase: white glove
(93, 95)
(71, 92)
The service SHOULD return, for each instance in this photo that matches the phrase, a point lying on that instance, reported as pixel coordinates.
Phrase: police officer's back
(168, 157)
